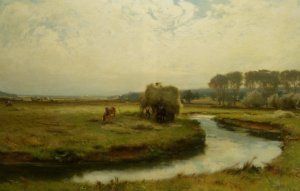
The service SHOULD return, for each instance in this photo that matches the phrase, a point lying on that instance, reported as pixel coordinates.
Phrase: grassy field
(70, 132)
(283, 174)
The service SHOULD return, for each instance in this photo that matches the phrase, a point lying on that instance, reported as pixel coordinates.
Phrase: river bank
(282, 173)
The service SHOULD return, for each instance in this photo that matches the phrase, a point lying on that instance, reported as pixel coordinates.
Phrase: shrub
(254, 99)
(273, 101)
(287, 101)
(296, 99)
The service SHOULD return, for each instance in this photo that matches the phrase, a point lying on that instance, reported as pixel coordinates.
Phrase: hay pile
(164, 101)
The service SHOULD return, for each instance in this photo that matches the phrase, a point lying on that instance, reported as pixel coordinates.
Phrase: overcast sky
(104, 47)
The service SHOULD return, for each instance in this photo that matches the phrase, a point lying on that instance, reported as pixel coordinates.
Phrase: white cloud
(100, 46)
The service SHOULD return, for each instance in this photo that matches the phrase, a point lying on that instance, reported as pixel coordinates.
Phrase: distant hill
(4, 94)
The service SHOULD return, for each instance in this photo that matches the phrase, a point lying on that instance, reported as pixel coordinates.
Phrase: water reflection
(224, 149)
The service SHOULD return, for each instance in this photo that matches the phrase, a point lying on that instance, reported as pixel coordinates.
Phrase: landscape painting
(149, 95)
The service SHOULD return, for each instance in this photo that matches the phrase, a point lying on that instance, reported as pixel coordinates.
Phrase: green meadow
(72, 132)
(42, 129)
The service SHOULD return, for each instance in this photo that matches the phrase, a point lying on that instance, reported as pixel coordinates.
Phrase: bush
(287, 101)
(254, 99)
(273, 101)
(296, 99)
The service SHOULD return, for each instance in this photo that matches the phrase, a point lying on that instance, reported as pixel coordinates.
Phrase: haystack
(164, 101)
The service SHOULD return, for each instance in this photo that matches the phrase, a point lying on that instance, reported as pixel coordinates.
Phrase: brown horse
(110, 112)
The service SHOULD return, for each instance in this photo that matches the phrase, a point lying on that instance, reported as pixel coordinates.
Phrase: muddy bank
(260, 129)
(17, 164)
(115, 155)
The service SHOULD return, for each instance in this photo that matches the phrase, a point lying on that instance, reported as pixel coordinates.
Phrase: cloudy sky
(104, 47)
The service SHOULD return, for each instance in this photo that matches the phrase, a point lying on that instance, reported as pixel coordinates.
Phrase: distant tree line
(260, 86)
(227, 87)
(188, 95)
(131, 96)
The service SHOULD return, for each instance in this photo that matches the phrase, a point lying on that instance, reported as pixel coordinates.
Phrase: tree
(251, 80)
(269, 82)
(264, 81)
(274, 82)
(284, 80)
(234, 83)
(290, 79)
(220, 84)
(187, 96)
(164, 101)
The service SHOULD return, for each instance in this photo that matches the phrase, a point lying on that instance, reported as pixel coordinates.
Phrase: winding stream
(225, 149)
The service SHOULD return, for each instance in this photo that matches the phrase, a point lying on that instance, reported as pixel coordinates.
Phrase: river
(224, 149)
